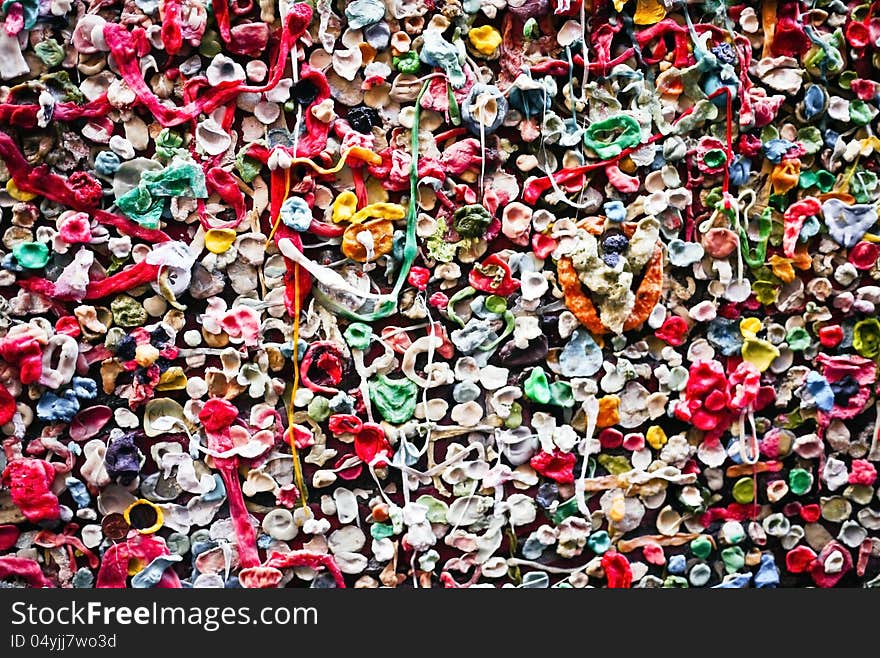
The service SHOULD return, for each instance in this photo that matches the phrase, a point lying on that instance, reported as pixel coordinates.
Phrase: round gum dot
(705, 311)
(744, 490)
(732, 532)
(633, 441)
(115, 526)
(192, 337)
(653, 553)
(701, 547)
(610, 438)
(144, 516)
(831, 335)
(810, 513)
(800, 481)
(699, 575)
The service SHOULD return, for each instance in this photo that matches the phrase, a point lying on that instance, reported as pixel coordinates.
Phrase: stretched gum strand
(306, 559)
(123, 49)
(410, 250)
(131, 277)
(38, 180)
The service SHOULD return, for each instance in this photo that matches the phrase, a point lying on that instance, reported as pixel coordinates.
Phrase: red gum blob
(224, 184)
(75, 228)
(216, 417)
(543, 245)
(811, 513)
(328, 361)
(446, 349)
(653, 553)
(439, 300)
(617, 570)
(817, 568)
(7, 406)
(745, 383)
(29, 482)
(8, 536)
(371, 445)
(799, 559)
(794, 219)
(419, 277)
(302, 438)
(26, 352)
(113, 573)
(789, 39)
(706, 398)
(260, 577)
(399, 341)
(27, 570)
(864, 89)
(621, 181)
(864, 255)
(831, 335)
(487, 282)
(558, 466)
(673, 331)
(863, 472)
(68, 325)
(172, 37)
(610, 438)
(733, 512)
(350, 473)
(243, 322)
(345, 424)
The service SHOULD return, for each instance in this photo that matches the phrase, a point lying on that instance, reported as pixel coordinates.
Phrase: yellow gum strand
(363, 154)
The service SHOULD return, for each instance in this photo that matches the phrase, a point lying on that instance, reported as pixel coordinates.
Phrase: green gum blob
(50, 52)
(537, 387)
(496, 304)
(561, 395)
(210, 44)
(800, 481)
(515, 419)
(744, 491)
(394, 398)
(798, 339)
(407, 62)
(31, 255)
(715, 158)
(358, 336)
(734, 559)
(167, 143)
(437, 509)
(701, 547)
(626, 133)
(675, 582)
